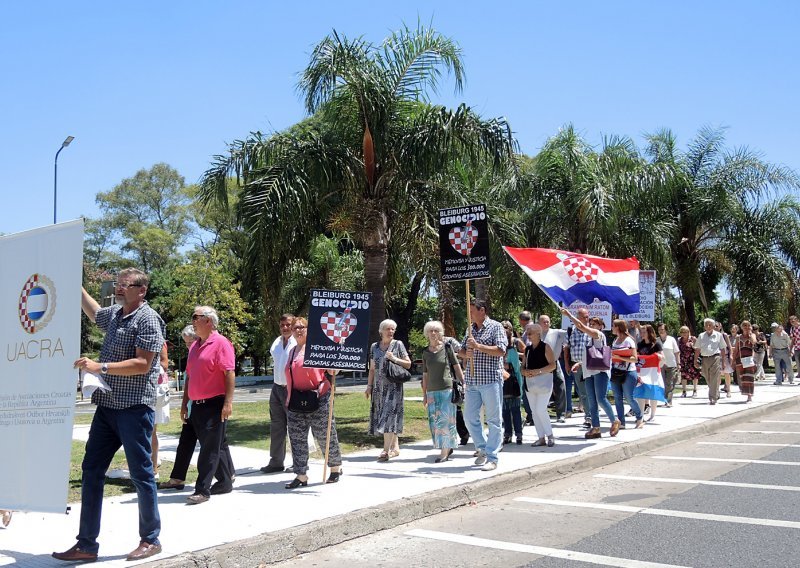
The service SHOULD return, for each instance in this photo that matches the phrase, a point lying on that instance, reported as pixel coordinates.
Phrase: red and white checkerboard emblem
(338, 326)
(463, 239)
(579, 269)
(37, 303)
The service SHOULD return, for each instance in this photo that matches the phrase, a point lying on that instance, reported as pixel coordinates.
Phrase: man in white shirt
(710, 347)
(280, 350)
(779, 347)
(556, 339)
(671, 362)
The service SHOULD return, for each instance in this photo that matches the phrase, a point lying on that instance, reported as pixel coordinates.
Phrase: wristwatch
(104, 368)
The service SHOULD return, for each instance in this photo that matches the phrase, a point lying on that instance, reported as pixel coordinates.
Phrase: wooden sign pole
(471, 359)
(328, 435)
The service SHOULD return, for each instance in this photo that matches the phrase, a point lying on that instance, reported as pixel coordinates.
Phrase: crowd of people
(473, 387)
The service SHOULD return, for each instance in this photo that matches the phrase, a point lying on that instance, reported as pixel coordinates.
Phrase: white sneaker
(481, 459)
(489, 466)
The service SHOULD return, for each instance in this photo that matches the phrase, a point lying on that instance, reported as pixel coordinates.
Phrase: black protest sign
(338, 330)
(464, 243)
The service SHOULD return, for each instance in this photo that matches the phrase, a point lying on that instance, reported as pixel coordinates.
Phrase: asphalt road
(728, 499)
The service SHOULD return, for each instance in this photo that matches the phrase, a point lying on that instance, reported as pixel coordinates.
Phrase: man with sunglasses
(134, 335)
(280, 350)
(211, 365)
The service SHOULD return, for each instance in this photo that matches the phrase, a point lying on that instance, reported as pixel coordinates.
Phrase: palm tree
(714, 198)
(370, 146)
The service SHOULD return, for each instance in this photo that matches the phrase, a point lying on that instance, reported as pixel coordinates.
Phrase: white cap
(774, 324)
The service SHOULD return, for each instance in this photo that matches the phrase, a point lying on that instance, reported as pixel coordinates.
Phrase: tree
(205, 279)
(720, 225)
(148, 214)
(369, 149)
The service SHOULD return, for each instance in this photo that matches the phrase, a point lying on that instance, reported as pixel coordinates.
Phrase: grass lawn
(249, 427)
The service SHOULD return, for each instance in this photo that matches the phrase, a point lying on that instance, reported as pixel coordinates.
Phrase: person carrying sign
(484, 346)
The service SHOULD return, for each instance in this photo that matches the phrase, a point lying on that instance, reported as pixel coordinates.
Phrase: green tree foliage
(146, 215)
(722, 224)
(204, 279)
(368, 151)
(330, 264)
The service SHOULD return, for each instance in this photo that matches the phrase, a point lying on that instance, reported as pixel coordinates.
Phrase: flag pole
(328, 435)
(470, 360)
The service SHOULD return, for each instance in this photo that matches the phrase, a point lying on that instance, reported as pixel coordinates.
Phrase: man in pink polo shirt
(210, 365)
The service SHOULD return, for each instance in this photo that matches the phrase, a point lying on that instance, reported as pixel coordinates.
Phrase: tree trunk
(404, 316)
(446, 308)
(690, 318)
(376, 255)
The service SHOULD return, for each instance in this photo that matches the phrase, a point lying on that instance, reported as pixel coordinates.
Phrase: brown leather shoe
(75, 554)
(144, 550)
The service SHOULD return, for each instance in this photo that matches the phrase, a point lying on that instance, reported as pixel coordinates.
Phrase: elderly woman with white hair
(439, 364)
(386, 411)
(539, 364)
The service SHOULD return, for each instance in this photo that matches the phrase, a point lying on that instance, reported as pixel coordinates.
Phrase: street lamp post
(66, 143)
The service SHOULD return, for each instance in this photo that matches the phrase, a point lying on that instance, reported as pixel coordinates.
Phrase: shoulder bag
(395, 373)
(304, 402)
(598, 358)
(457, 395)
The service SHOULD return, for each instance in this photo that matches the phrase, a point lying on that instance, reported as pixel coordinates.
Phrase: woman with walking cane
(308, 403)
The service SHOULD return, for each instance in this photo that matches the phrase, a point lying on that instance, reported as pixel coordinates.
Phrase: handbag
(304, 402)
(457, 394)
(598, 358)
(618, 376)
(511, 386)
(395, 373)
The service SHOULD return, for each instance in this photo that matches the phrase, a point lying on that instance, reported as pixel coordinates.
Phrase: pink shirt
(304, 378)
(207, 364)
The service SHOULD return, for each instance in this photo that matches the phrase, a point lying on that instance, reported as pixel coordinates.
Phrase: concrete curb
(286, 544)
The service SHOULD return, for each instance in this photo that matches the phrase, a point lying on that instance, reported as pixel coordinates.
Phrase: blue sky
(144, 82)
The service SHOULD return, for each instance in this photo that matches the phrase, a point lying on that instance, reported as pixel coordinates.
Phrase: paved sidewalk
(260, 505)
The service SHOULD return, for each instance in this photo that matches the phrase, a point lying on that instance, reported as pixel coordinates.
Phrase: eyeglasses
(197, 316)
(298, 327)
(126, 286)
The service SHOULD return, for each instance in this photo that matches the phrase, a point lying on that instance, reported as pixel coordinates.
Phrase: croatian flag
(650, 385)
(566, 277)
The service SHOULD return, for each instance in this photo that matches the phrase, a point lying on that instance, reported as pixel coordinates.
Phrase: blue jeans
(626, 389)
(597, 394)
(569, 382)
(580, 384)
(131, 428)
(512, 417)
(491, 398)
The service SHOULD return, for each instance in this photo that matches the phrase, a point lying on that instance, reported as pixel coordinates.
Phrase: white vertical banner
(40, 295)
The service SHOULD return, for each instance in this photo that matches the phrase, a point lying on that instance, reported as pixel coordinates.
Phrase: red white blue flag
(651, 384)
(566, 277)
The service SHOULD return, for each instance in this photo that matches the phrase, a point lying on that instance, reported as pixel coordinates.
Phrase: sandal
(384, 457)
(540, 442)
(394, 453)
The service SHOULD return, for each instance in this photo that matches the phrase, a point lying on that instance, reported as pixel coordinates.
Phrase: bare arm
(230, 386)
(370, 379)
(139, 365)
(89, 305)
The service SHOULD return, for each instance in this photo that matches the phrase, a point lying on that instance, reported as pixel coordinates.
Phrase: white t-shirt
(280, 355)
(669, 347)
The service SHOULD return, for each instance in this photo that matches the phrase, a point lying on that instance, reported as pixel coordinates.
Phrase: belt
(205, 400)
(780, 349)
(710, 356)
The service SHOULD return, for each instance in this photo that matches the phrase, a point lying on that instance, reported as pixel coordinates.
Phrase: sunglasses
(197, 316)
(298, 327)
